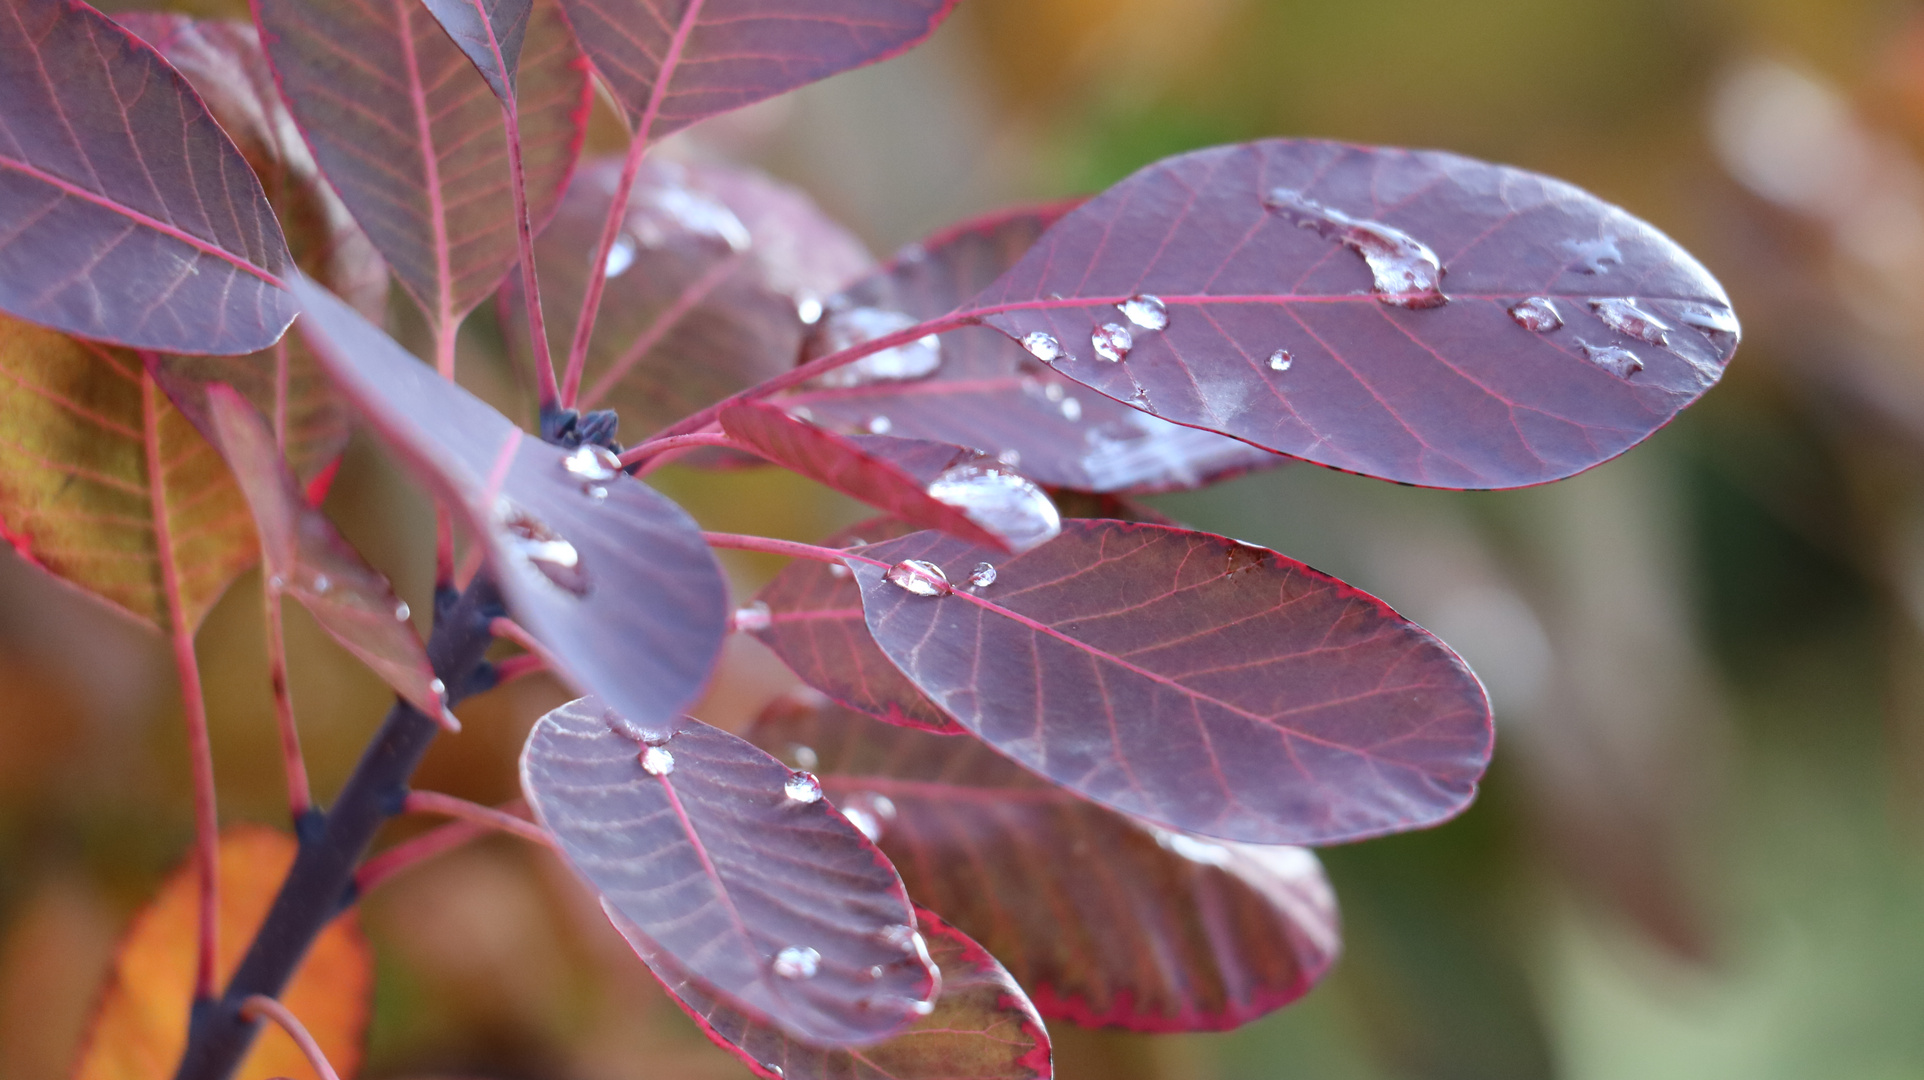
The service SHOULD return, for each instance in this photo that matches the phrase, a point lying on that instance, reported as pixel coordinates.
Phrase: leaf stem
(412, 852)
(771, 546)
(508, 669)
(299, 797)
(260, 1005)
(444, 336)
(524, 234)
(655, 447)
(501, 818)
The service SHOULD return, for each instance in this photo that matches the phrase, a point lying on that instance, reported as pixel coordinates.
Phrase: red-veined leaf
(311, 562)
(986, 504)
(126, 214)
(1201, 683)
(489, 33)
(988, 391)
(670, 63)
(702, 289)
(611, 577)
(1109, 921)
(815, 625)
(411, 135)
(1304, 289)
(759, 889)
(983, 1027)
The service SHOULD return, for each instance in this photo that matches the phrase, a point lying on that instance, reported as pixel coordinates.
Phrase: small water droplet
(620, 257)
(880, 425)
(983, 575)
(1593, 254)
(839, 570)
(1145, 311)
(797, 962)
(875, 972)
(774, 1068)
(1005, 503)
(1011, 458)
(753, 618)
(1140, 399)
(920, 1007)
(1405, 273)
(1709, 318)
(1621, 313)
(901, 938)
(1617, 361)
(1053, 391)
(657, 761)
(545, 549)
(592, 462)
(1280, 360)
(1191, 848)
(804, 756)
(597, 493)
(438, 688)
(1112, 341)
(402, 612)
(1071, 409)
(322, 583)
(802, 787)
(1043, 347)
(919, 578)
(808, 308)
(1537, 314)
(844, 328)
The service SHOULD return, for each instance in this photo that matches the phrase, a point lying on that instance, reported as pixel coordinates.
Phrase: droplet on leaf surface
(545, 549)
(1280, 360)
(1111, 341)
(1614, 359)
(880, 425)
(1405, 273)
(1708, 318)
(1043, 347)
(402, 612)
(1145, 311)
(1593, 255)
(919, 578)
(657, 761)
(1071, 409)
(1621, 313)
(797, 962)
(592, 462)
(983, 575)
(1537, 314)
(803, 788)
(1006, 503)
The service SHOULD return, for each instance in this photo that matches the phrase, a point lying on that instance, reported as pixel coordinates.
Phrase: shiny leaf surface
(126, 214)
(1203, 684)
(1304, 286)
(777, 903)
(1109, 921)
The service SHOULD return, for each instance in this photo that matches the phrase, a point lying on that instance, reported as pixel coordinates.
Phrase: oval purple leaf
(1201, 683)
(987, 391)
(1071, 895)
(126, 213)
(775, 902)
(1410, 315)
(611, 577)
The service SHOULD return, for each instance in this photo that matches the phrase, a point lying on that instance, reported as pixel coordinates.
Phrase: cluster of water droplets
(845, 328)
(1404, 271)
(1000, 500)
(546, 550)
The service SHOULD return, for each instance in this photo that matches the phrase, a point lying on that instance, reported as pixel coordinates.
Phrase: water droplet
(1071, 409)
(804, 756)
(592, 462)
(438, 688)
(875, 972)
(1112, 341)
(983, 575)
(1593, 254)
(773, 1068)
(844, 328)
(919, 578)
(1004, 502)
(1043, 347)
(920, 1007)
(1011, 458)
(797, 962)
(808, 308)
(532, 539)
(1621, 313)
(322, 583)
(1140, 399)
(1191, 848)
(1280, 360)
(901, 938)
(657, 761)
(1617, 361)
(1537, 314)
(879, 425)
(620, 257)
(1708, 318)
(597, 493)
(1405, 272)
(1053, 391)
(753, 618)
(402, 612)
(1145, 311)
(802, 788)
(839, 570)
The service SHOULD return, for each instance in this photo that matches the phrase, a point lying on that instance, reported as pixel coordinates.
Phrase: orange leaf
(141, 1026)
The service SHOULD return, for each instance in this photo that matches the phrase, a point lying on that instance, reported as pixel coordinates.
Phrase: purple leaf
(413, 139)
(983, 1027)
(670, 63)
(1415, 316)
(815, 625)
(758, 889)
(126, 213)
(1201, 683)
(308, 559)
(988, 391)
(611, 577)
(489, 33)
(1074, 897)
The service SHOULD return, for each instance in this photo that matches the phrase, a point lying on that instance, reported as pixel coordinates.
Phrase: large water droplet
(797, 962)
(803, 788)
(1709, 318)
(590, 462)
(753, 618)
(919, 577)
(1405, 272)
(1592, 255)
(983, 575)
(1005, 503)
(1280, 360)
(1617, 361)
(845, 328)
(1112, 341)
(545, 549)
(1621, 313)
(1043, 347)
(657, 761)
(1145, 311)
(1537, 314)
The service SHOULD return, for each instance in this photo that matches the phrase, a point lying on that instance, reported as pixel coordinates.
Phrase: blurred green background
(1699, 853)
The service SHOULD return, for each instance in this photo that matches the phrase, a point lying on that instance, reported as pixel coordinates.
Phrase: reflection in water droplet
(1280, 360)
(880, 425)
(621, 256)
(1071, 410)
(754, 617)
(797, 962)
(803, 788)
(1405, 272)
(1617, 361)
(1708, 318)
(1145, 311)
(1042, 346)
(919, 578)
(532, 539)
(657, 761)
(402, 612)
(1003, 502)
(983, 575)
(868, 812)
(1112, 341)
(847, 327)
(592, 462)
(1621, 313)
(1537, 314)
(1593, 254)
